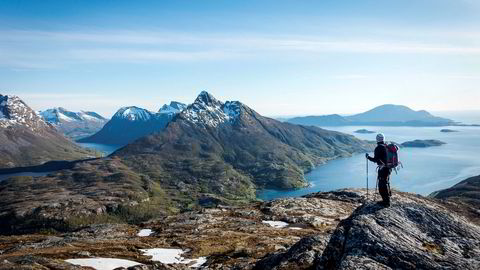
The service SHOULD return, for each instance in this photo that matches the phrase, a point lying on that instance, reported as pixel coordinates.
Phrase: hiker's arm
(376, 156)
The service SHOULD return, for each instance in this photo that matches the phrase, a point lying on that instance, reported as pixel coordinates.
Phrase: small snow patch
(144, 232)
(102, 263)
(169, 256)
(275, 224)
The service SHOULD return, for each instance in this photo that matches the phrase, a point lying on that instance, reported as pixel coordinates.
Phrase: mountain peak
(133, 113)
(209, 111)
(58, 115)
(173, 108)
(13, 112)
(206, 98)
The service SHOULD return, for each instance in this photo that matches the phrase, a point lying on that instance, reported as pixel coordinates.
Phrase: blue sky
(279, 57)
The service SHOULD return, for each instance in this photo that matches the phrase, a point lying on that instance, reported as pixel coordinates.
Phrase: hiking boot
(384, 203)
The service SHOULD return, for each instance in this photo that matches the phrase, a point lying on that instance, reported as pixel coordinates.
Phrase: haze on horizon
(278, 57)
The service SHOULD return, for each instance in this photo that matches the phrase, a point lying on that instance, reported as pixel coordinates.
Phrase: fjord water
(106, 149)
(425, 169)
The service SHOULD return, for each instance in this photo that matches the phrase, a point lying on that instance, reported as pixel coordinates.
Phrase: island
(364, 131)
(423, 143)
(448, 130)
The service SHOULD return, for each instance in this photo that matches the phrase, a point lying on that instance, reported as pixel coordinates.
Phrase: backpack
(392, 156)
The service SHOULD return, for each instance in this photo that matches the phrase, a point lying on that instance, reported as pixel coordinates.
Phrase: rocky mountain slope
(231, 143)
(331, 230)
(75, 125)
(467, 191)
(210, 153)
(384, 115)
(25, 139)
(131, 123)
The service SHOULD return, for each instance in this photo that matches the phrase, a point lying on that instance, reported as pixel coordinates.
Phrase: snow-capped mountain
(174, 108)
(131, 123)
(14, 112)
(58, 115)
(134, 113)
(208, 111)
(74, 124)
(228, 149)
(26, 139)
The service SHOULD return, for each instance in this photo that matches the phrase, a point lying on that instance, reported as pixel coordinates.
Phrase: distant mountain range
(385, 115)
(25, 139)
(131, 123)
(75, 125)
(211, 151)
(230, 150)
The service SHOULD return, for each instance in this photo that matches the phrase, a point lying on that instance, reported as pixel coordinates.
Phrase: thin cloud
(139, 55)
(42, 49)
(350, 77)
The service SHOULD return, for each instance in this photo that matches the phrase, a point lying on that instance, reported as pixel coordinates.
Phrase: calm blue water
(106, 149)
(425, 169)
(6, 176)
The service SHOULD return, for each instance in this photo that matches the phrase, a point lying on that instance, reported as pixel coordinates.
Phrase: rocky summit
(331, 230)
(26, 139)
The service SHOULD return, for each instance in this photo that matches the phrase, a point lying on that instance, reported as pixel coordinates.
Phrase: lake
(425, 169)
(106, 149)
(6, 176)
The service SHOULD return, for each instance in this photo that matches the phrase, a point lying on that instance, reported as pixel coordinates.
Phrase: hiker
(384, 171)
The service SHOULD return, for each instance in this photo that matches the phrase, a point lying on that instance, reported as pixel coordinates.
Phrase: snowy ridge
(58, 115)
(14, 112)
(134, 113)
(211, 112)
(174, 108)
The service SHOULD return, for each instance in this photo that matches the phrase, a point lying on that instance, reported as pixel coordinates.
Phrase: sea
(105, 149)
(425, 170)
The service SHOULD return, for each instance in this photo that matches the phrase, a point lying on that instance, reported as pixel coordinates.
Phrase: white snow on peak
(232, 108)
(15, 112)
(211, 112)
(133, 114)
(173, 108)
(89, 117)
(170, 256)
(57, 115)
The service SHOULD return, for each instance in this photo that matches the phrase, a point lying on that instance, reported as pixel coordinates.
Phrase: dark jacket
(380, 156)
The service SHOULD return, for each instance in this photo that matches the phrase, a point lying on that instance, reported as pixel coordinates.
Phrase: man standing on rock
(380, 157)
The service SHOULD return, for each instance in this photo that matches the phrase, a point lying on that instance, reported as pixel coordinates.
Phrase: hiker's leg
(383, 186)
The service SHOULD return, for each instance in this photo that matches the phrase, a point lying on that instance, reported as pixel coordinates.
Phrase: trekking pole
(367, 176)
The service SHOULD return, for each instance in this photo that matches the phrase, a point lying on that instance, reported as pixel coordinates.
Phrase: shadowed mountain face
(210, 153)
(75, 125)
(230, 138)
(467, 191)
(385, 115)
(131, 123)
(25, 139)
